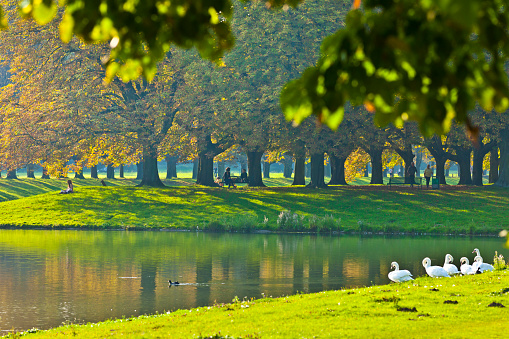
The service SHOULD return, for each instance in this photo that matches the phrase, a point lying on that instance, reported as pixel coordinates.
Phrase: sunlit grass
(469, 306)
(36, 202)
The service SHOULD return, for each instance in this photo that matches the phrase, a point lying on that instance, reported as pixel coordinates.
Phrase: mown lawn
(469, 210)
(459, 307)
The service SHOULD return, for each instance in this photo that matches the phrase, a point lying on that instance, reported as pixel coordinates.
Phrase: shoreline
(151, 229)
(419, 306)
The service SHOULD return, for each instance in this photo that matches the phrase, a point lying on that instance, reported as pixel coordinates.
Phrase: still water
(49, 277)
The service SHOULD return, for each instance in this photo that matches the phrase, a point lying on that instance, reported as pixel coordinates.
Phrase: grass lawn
(459, 307)
(466, 210)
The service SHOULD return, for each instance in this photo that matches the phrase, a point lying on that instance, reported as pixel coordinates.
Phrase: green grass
(468, 210)
(425, 308)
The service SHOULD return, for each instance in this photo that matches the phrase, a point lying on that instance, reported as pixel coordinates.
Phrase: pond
(50, 277)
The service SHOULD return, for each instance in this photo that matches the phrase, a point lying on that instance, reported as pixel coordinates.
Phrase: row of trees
(57, 105)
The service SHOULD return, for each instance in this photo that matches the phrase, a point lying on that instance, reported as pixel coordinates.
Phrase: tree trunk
(299, 177)
(308, 170)
(462, 157)
(139, 170)
(287, 163)
(171, 167)
(254, 159)
(366, 171)
(376, 166)
(477, 167)
(494, 162)
(30, 171)
(418, 162)
(437, 151)
(45, 174)
(266, 169)
(205, 172)
(221, 166)
(11, 174)
(110, 172)
(503, 175)
(317, 171)
(121, 171)
(327, 169)
(337, 165)
(479, 153)
(408, 157)
(93, 172)
(79, 174)
(196, 163)
(150, 170)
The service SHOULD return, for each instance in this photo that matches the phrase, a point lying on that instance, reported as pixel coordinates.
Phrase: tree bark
(205, 172)
(196, 163)
(436, 149)
(110, 172)
(317, 171)
(287, 163)
(93, 172)
(299, 177)
(121, 171)
(337, 165)
(376, 166)
(45, 174)
(266, 169)
(254, 159)
(494, 162)
(79, 174)
(171, 167)
(327, 169)
(503, 175)
(462, 157)
(418, 162)
(30, 171)
(408, 157)
(479, 152)
(139, 170)
(11, 174)
(150, 170)
(221, 168)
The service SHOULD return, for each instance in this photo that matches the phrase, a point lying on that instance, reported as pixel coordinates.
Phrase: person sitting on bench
(227, 179)
(243, 175)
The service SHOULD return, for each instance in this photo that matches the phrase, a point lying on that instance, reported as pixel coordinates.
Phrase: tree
(62, 98)
(428, 61)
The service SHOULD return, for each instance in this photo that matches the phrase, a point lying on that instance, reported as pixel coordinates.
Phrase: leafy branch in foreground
(428, 61)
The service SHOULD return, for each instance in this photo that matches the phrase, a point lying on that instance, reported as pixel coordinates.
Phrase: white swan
(479, 265)
(399, 276)
(434, 271)
(465, 267)
(449, 267)
(476, 251)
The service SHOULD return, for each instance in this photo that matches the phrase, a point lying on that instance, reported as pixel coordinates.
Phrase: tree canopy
(424, 60)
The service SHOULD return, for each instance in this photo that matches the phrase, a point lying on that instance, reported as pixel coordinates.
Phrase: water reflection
(48, 277)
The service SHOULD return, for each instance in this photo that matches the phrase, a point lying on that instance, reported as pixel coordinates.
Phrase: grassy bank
(466, 210)
(470, 306)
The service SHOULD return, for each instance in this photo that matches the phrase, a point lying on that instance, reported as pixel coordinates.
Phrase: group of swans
(447, 270)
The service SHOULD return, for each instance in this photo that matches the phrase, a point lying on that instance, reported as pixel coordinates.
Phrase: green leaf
(43, 11)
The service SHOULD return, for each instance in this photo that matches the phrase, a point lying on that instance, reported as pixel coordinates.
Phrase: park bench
(396, 181)
(235, 179)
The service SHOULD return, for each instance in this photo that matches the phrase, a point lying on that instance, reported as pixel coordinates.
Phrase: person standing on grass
(227, 179)
(411, 173)
(428, 173)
